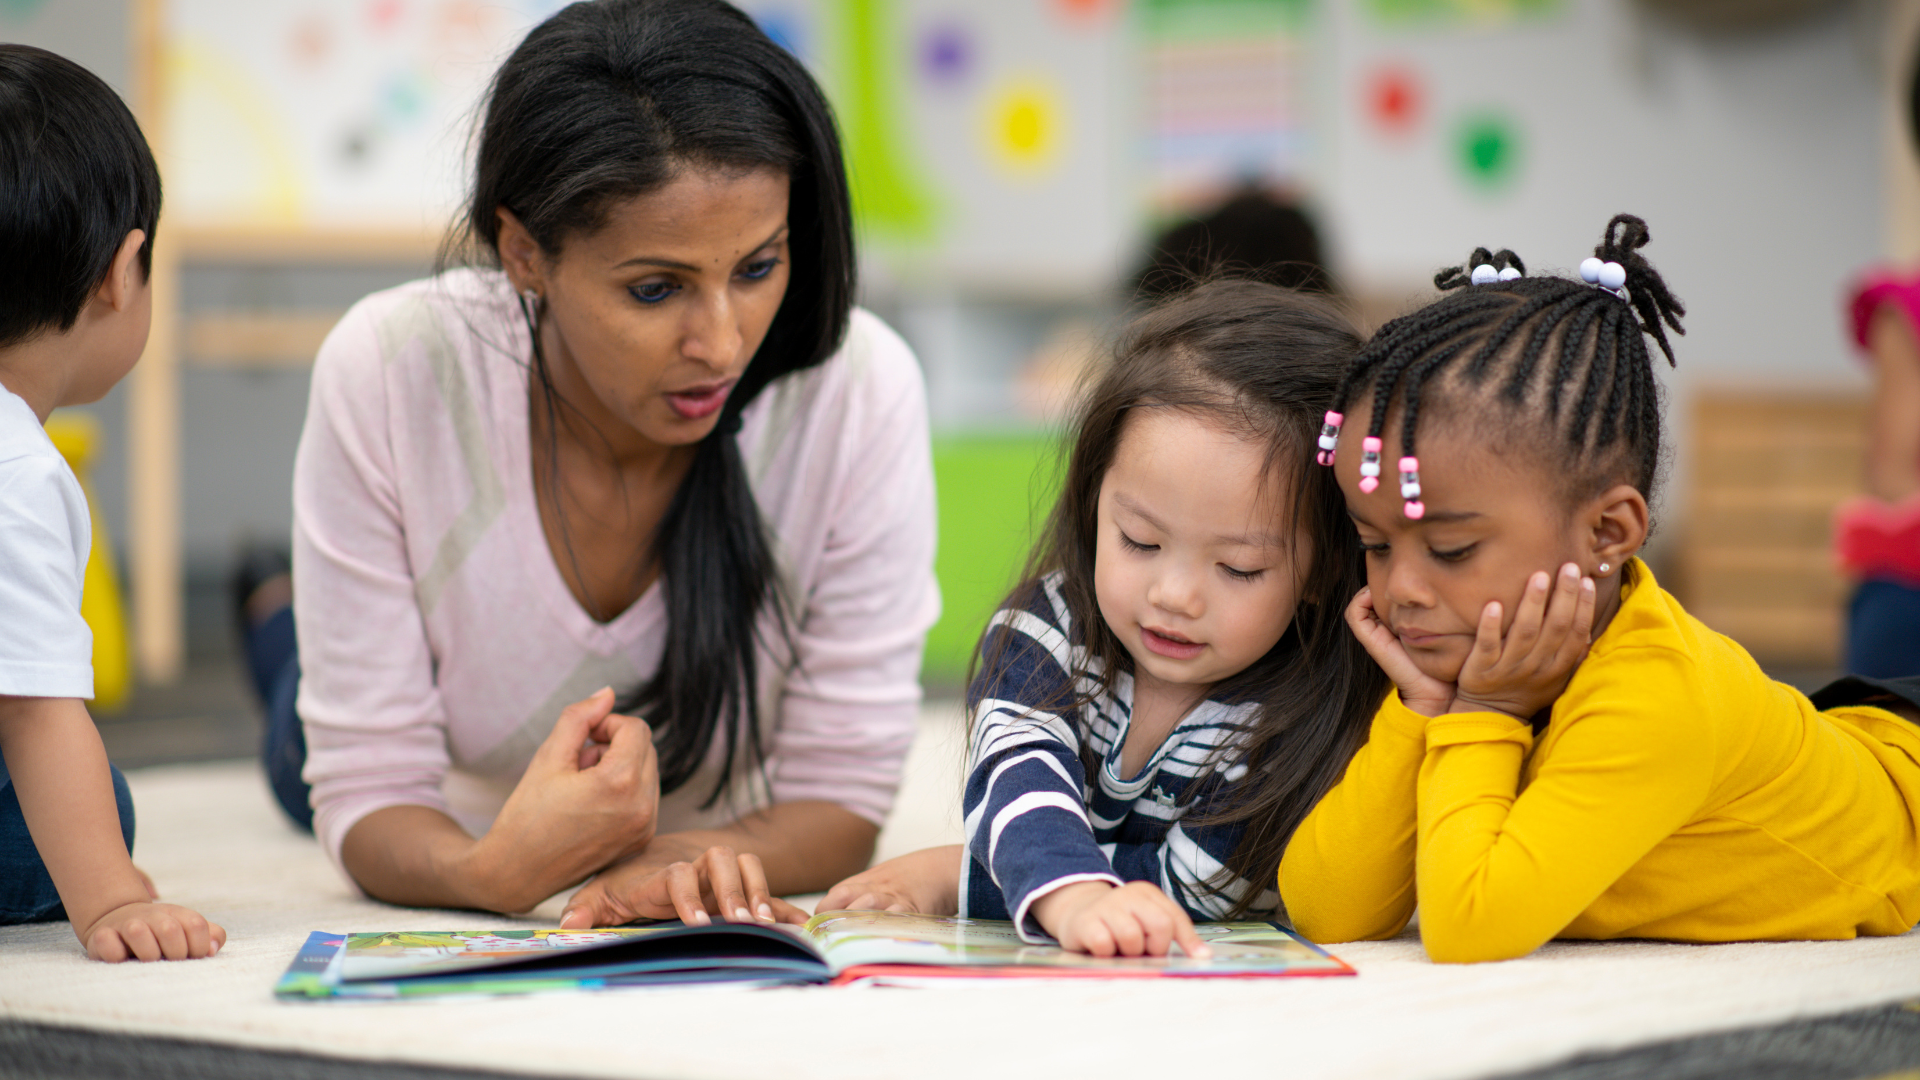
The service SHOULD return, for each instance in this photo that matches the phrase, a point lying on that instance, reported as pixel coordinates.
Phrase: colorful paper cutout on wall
(1025, 125)
(1224, 90)
(21, 10)
(1488, 149)
(889, 197)
(786, 28)
(1395, 100)
(1164, 20)
(1087, 11)
(947, 54)
(1459, 12)
(319, 113)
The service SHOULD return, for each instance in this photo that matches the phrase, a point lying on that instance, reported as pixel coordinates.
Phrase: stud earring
(1604, 568)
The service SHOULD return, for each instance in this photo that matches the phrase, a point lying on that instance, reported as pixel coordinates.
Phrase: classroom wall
(1757, 159)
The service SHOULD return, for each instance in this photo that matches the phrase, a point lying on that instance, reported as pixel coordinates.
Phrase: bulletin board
(317, 115)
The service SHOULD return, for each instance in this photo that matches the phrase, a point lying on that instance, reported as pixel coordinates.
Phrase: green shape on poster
(21, 10)
(1456, 12)
(889, 198)
(1489, 150)
(1181, 20)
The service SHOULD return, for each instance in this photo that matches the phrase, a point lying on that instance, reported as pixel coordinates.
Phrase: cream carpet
(211, 838)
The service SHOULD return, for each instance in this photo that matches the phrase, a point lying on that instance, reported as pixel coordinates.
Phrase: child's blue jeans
(273, 659)
(26, 889)
(1883, 630)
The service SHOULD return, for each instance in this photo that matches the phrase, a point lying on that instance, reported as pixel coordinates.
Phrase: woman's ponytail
(718, 573)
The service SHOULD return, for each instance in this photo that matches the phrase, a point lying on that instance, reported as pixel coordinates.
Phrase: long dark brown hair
(607, 100)
(1261, 361)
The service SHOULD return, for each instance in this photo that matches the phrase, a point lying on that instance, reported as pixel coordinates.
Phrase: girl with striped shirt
(1170, 690)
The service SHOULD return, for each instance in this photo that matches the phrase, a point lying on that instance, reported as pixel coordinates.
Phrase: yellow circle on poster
(1025, 125)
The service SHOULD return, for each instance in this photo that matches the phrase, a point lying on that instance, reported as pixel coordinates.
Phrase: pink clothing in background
(438, 641)
(1875, 541)
(1881, 287)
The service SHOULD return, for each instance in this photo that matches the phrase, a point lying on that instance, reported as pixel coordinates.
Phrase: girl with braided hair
(1567, 752)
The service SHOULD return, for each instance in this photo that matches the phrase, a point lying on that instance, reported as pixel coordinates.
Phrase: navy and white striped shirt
(1035, 824)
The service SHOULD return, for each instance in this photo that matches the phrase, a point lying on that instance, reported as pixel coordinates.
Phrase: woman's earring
(1604, 567)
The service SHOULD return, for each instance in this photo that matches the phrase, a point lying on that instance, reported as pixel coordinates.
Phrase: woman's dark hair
(1563, 363)
(1259, 361)
(612, 99)
(76, 177)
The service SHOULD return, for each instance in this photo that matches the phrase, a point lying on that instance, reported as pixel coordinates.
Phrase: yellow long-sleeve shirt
(1676, 793)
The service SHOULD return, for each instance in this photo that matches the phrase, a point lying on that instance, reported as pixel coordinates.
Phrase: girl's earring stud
(1605, 568)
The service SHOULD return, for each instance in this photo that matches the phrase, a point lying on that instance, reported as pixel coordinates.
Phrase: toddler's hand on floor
(1524, 670)
(1419, 691)
(1135, 919)
(926, 882)
(149, 931)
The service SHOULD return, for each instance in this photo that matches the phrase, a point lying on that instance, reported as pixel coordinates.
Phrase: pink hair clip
(1329, 436)
(1370, 464)
(1410, 487)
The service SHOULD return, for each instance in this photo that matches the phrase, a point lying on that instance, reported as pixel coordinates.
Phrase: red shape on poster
(1085, 10)
(1395, 100)
(383, 14)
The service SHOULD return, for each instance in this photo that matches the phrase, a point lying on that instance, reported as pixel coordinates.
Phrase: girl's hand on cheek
(1420, 692)
(1524, 673)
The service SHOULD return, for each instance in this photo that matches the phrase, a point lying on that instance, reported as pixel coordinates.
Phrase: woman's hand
(1135, 919)
(715, 883)
(1419, 691)
(1524, 671)
(589, 797)
(925, 882)
(149, 931)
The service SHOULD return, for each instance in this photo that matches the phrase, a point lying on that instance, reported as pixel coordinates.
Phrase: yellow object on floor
(75, 434)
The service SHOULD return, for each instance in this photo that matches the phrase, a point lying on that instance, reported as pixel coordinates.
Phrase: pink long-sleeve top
(438, 641)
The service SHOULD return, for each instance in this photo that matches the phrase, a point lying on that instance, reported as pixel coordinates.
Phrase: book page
(857, 938)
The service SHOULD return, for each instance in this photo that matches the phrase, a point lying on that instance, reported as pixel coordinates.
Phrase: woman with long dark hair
(613, 550)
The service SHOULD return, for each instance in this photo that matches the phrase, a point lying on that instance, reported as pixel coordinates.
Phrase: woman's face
(649, 322)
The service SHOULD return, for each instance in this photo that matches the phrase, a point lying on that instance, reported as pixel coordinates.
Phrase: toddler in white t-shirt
(79, 199)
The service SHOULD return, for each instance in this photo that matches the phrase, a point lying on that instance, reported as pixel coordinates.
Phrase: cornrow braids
(1564, 361)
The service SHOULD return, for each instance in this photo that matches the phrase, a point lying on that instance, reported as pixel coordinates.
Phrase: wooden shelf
(1769, 467)
(264, 340)
(198, 243)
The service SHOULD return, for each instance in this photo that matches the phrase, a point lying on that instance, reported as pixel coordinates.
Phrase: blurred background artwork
(1014, 163)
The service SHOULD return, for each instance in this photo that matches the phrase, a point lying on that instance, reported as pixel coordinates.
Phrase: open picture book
(839, 947)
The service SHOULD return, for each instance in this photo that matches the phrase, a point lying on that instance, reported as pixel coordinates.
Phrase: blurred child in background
(1569, 753)
(1255, 233)
(1170, 690)
(1877, 535)
(79, 199)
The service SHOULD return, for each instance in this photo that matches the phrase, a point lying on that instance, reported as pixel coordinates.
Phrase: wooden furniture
(1755, 554)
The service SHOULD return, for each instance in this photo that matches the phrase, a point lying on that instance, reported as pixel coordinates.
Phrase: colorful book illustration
(839, 947)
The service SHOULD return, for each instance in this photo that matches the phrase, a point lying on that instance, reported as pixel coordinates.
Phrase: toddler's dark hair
(1563, 365)
(76, 177)
(1260, 361)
